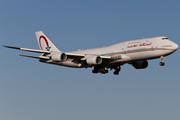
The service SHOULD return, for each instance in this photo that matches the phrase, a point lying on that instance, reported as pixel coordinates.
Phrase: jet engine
(59, 57)
(94, 60)
(140, 64)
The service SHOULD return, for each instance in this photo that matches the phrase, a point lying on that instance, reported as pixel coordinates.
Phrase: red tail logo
(44, 38)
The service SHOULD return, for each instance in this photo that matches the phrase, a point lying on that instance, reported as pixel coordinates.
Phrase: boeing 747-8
(134, 52)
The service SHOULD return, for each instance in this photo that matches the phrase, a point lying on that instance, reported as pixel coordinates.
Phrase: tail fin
(45, 43)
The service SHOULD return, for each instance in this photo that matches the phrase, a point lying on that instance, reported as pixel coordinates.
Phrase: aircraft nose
(175, 46)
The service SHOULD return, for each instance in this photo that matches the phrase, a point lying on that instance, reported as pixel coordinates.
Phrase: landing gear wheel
(116, 72)
(104, 71)
(161, 63)
(94, 71)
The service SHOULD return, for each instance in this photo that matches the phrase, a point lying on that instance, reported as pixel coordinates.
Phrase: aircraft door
(124, 48)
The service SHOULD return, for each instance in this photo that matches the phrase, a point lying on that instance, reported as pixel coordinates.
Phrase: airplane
(134, 52)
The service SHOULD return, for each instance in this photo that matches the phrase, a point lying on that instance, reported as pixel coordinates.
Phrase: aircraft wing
(30, 50)
(75, 56)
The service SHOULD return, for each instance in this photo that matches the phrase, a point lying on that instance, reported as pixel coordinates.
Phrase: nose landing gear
(162, 62)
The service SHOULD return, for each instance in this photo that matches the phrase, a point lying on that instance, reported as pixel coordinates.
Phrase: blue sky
(33, 90)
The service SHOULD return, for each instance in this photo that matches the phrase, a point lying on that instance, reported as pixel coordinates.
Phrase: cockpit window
(164, 38)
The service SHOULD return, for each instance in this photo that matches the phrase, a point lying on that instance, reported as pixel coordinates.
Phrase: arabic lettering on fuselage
(139, 45)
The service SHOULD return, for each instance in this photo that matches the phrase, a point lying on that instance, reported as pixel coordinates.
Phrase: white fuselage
(142, 49)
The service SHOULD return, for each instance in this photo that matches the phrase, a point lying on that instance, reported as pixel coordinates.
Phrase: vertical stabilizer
(45, 43)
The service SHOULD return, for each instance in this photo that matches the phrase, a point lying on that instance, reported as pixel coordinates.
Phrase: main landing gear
(162, 62)
(102, 70)
(99, 70)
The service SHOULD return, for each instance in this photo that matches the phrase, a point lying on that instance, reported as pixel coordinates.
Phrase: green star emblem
(48, 48)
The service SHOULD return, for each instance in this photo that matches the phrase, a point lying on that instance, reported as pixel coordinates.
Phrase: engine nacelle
(59, 57)
(140, 64)
(94, 60)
